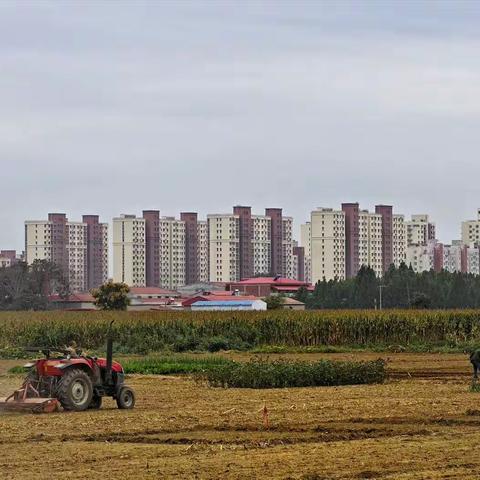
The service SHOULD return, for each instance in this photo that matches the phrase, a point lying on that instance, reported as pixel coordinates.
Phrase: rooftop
(236, 303)
(270, 281)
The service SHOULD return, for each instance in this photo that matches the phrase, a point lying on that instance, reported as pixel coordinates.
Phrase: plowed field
(422, 424)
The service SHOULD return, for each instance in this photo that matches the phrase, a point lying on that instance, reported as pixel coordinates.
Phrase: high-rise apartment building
(459, 258)
(352, 239)
(298, 262)
(327, 244)
(202, 252)
(471, 231)
(152, 247)
(472, 259)
(245, 240)
(386, 213)
(370, 241)
(193, 249)
(261, 242)
(287, 248)
(276, 240)
(76, 247)
(243, 245)
(224, 247)
(305, 242)
(97, 251)
(129, 250)
(399, 240)
(420, 230)
(368, 238)
(79, 248)
(172, 253)
(424, 257)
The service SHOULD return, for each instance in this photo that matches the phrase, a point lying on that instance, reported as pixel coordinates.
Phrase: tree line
(398, 288)
(27, 287)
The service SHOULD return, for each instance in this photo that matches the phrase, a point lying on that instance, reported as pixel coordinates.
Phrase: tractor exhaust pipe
(108, 368)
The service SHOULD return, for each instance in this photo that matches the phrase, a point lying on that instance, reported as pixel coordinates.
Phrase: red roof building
(265, 286)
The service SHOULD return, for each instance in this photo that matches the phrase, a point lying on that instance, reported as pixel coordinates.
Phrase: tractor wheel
(125, 398)
(75, 390)
(96, 402)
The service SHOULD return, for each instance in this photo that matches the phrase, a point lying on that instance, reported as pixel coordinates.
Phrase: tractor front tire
(75, 390)
(125, 398)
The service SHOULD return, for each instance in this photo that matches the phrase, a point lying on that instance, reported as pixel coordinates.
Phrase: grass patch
(169, 365)
(260, 373)
(17, 370)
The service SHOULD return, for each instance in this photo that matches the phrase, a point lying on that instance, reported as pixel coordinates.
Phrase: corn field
(143, 332)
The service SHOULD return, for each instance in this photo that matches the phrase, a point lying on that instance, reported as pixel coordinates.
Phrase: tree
(27, 287)
(274, 302)
(365, 288)
(302, 295)
(111, 296)
(420, 300)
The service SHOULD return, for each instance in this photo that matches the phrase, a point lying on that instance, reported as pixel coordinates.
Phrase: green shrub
(175, 364)
(259, 373)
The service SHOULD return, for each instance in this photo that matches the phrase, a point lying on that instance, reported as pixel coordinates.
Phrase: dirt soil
(424, 423)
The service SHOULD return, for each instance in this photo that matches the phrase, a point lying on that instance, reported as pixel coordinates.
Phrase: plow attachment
(27, 399)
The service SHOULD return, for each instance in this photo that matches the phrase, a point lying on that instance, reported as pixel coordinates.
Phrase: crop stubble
(412, 427)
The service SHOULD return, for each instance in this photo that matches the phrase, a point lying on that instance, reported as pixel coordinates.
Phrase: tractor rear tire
(75, 390)
(125, 398)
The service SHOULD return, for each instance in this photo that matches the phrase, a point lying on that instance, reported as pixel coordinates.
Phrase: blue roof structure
(224, 303)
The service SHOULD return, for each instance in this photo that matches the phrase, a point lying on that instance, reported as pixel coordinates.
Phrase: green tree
(111, 296)
(27, 287)
(274, 302)
(302, 295)
(365, 288)
(421, 300)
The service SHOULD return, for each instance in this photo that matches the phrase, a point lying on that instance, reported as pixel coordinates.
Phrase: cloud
(106, 108)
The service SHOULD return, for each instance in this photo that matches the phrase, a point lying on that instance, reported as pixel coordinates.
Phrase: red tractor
(74, 381)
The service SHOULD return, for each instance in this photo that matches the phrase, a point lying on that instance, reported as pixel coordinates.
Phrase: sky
(115, 107)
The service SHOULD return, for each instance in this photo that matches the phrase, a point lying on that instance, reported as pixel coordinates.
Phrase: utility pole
(380, 287)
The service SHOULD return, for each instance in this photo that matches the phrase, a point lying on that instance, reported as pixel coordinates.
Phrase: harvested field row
(404, 429)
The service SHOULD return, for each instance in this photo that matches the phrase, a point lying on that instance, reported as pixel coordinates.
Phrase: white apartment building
(473, 260)
(287, 248)
(421, 257)
(77, 256)
(129, 250)
(420, 230)
(461, 257)
(399, 235)
(305, 242)
(224, 247)
(452, 257)
(370, 241)
(38, 240)
(68, 244)
(327, 245)
(261, 242)
(202, 251)
(172, 253)
(471, 231)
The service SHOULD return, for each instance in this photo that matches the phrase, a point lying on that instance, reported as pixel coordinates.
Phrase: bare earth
(422, 424)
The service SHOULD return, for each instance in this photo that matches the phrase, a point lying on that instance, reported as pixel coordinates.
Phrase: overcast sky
(116, 107)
